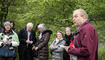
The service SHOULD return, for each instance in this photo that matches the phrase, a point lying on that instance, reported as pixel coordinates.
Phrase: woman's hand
(52, 45)
(8, 42)
(4, 42)
(33, 48)
(36, 48)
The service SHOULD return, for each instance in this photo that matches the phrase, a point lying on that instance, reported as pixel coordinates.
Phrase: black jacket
(1, 29)
(24, 49)
(23, 35)
(68, 38)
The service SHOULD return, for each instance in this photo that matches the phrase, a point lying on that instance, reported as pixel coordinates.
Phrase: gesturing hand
(66, 48)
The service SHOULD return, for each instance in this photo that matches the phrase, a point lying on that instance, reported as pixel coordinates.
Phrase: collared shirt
(40, 35)
(28, 35)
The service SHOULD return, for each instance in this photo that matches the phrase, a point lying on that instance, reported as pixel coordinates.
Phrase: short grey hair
(68, 28)
(82, 11)
(29, 24)
(42, 26)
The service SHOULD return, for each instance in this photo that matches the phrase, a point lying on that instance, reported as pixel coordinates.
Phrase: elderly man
(27, 38)
(85, 39)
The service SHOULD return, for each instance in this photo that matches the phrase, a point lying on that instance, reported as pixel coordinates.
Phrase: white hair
(29, 24)
(68, 28)
(42, 26)
(82, 12)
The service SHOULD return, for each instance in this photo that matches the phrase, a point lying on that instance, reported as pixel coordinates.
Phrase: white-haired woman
(8, 42)
(42, 42)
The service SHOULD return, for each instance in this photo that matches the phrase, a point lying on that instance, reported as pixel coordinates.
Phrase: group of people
(79, 45)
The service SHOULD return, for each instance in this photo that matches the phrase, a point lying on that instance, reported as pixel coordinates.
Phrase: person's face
(11, 25)
(77, 18)
(29, 28)
(7, 27)
(59, 35)
(40, 29)
(68, 31)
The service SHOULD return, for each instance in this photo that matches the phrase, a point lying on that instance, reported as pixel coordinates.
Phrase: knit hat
(7, 23)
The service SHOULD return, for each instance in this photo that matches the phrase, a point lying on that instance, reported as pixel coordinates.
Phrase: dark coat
(42, 44)
(25, 49)
(86, 43)
(1, 29)
(67, 40)
(23, 37)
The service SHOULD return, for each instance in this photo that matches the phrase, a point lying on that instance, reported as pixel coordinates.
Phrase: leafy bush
(101, 53)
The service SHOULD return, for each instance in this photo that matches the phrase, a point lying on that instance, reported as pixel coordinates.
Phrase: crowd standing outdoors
(79, 45)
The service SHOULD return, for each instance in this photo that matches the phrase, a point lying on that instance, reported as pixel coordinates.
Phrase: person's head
(59, 35)
(68, 31)
(29, 26)
(12, 24)
(7, 26)
(41, 27)
(79, 17)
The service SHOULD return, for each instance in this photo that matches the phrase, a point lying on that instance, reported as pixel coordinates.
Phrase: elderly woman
(57, 47)
(8, 42)
(42, 42)
(68, 37)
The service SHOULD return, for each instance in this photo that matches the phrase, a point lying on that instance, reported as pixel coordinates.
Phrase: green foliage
(101, 53)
